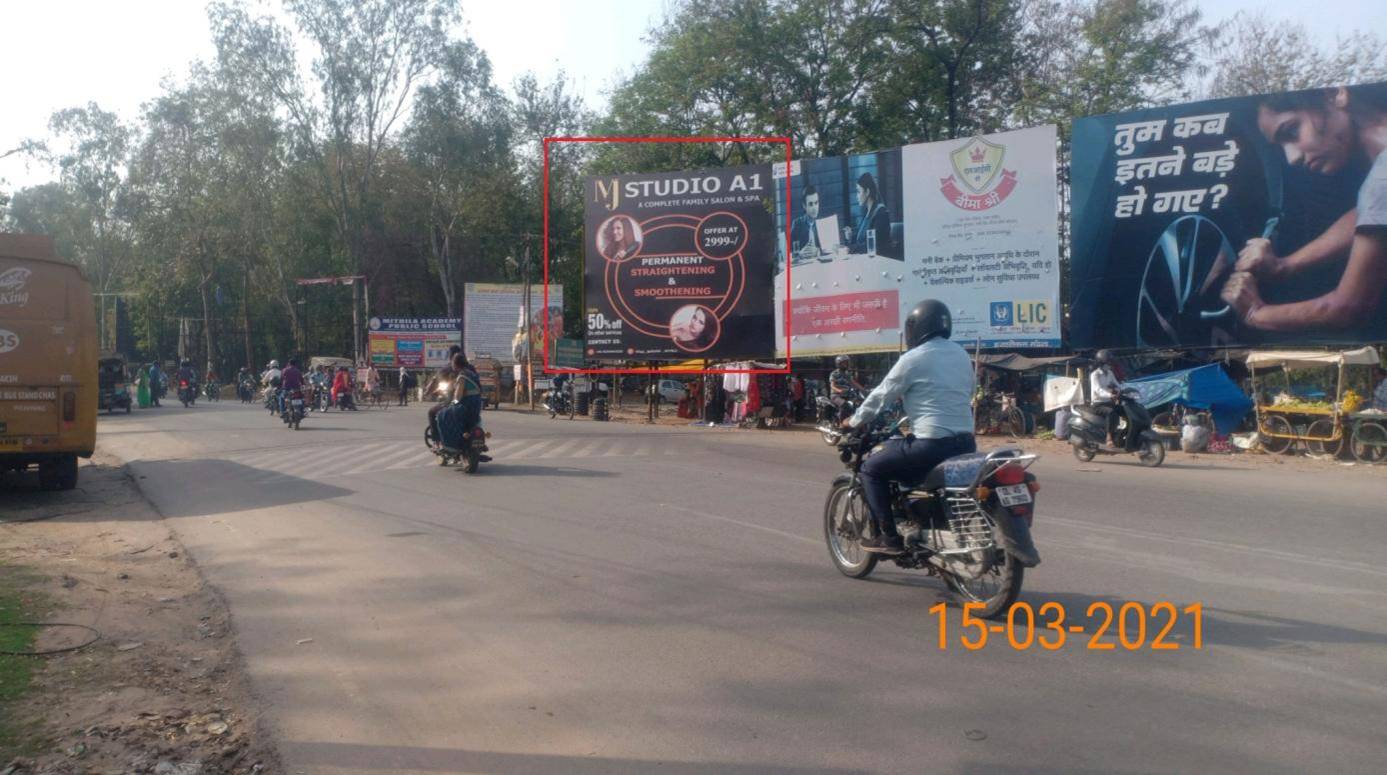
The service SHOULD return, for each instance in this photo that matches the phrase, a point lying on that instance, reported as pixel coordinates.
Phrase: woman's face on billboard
(698, 323)
(1320, 140)
(618, 230)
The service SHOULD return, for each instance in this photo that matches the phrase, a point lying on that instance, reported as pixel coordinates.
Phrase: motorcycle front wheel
(996, 590)
(845, 522)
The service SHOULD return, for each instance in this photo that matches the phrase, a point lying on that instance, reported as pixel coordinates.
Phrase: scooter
(1088, 431)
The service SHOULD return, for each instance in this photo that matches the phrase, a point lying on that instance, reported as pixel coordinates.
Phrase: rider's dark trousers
(906, 460)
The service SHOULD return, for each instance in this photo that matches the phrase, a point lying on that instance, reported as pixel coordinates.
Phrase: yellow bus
(48, 357)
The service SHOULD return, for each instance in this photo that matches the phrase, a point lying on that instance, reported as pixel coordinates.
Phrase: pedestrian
(404, 386)
(797, 398)
(142, 392)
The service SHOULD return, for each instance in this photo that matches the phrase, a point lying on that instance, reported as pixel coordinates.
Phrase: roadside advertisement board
(1243, 221)
(971, 222)
(495, 315)
(679, 265)
(415, 343)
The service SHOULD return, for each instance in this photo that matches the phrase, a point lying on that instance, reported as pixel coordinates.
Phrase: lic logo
(1001, 313)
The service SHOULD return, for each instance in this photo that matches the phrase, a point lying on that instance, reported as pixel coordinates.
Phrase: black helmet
(929, 318)
(1103, 356)
(842, 361)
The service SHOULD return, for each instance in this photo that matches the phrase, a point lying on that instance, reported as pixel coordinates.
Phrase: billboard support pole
(529, 335)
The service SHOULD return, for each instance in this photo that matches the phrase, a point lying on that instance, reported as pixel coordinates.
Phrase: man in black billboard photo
(804, 232)
(1324, 131)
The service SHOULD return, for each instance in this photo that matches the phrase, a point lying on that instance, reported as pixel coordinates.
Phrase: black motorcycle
(472, 453)
(213, 391)
(968, 522)
(245, 390)
(558, 402)
(1130, 423)
(293, 409)
(829, 418)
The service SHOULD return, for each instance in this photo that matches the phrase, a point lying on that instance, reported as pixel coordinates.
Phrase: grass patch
(18, 603)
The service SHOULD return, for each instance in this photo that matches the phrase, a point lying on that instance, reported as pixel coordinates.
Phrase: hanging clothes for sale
(753, 396)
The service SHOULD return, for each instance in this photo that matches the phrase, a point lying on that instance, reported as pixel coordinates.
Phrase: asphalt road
(622, 598)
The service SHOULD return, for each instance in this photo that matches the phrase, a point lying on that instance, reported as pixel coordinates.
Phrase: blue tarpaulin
(1205, 388)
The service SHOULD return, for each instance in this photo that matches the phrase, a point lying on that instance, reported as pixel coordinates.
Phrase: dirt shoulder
(164, 689)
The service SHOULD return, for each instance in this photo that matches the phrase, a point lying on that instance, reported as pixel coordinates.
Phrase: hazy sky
(60, 53)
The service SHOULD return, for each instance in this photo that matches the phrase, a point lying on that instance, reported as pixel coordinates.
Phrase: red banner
(981, 201)
(845, 312)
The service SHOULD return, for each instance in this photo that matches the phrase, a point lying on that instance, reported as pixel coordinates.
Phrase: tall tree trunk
(207, 319)
(245, 317)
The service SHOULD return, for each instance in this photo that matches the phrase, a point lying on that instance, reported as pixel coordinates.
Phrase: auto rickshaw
(113, 386)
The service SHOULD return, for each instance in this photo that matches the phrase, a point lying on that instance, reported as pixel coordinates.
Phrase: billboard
(679, 265)
(1243, 221)
(495, 317)
(416, 343)
(971, 222)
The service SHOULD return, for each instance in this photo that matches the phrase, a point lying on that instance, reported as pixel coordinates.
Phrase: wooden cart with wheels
(1323, 429)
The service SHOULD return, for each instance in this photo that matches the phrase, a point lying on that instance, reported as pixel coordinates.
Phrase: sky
(62, 53)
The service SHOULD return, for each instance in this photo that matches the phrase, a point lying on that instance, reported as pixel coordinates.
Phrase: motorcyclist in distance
(843, 386)
(934, 379)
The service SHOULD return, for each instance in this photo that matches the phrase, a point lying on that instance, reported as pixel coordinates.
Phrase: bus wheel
(59, 474)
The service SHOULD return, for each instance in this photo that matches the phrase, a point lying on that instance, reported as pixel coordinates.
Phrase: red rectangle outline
(789, 363)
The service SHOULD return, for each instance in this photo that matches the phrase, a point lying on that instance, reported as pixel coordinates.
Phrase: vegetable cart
(1323, 427)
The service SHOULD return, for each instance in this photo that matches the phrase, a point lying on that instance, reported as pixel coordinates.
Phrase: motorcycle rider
(1105, 390)
(342, 389)
(445, 373)
(270, 380)
(290, 379)
(561, 397)
(842, 386)
(934, 378)
(186, 373)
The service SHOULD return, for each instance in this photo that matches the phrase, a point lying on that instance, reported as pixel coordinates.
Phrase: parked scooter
(1132, 433)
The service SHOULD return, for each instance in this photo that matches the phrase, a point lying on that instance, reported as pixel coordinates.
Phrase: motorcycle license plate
(297, 402)
(1014, 495)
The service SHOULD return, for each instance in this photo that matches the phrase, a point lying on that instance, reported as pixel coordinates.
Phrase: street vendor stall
(1323, 426)
(1010, 392)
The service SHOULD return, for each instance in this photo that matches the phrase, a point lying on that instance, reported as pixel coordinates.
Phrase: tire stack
(599, 410)
(583, 400)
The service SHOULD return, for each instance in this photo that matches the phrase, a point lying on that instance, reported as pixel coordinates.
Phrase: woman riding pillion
(934, 378)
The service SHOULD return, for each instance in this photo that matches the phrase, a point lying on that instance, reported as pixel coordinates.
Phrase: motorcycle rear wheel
(830, 437)
(845, 520)
(1084, 453)
(1152, 453)
(996, 589)
(471, 459)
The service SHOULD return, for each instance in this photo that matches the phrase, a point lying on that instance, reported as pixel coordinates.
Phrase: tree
(369, 57)
(1257, 55)
(458, 143)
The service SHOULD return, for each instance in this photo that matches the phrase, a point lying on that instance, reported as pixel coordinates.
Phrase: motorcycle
(473, 451)
(1088, 431)
(968, 522)
(345, 401)
(559, 402)
(271, 397)
(187, 393)
(828, 418)
(293, 409)
(246, 391)
(213, 391)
